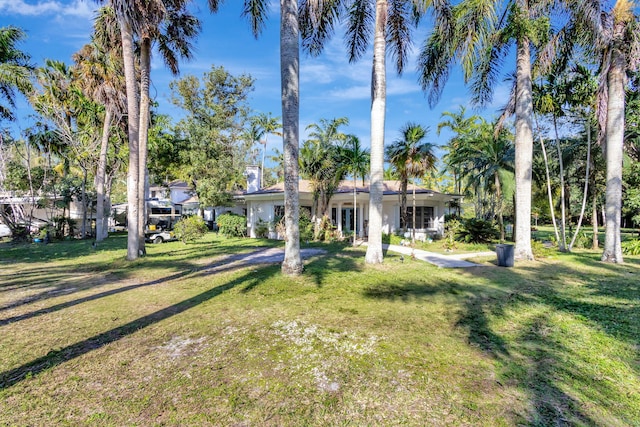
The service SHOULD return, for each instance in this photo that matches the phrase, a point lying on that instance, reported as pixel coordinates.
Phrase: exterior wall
(263, 210)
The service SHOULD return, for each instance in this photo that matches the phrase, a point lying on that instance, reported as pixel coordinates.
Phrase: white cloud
(77, 8)
(501, 96)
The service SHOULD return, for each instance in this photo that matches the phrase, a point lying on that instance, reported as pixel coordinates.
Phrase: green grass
(182, 337)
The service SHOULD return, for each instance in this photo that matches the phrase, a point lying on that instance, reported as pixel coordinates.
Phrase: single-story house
(267, 205)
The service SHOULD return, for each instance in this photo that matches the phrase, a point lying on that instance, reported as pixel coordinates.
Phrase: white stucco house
(267, 205)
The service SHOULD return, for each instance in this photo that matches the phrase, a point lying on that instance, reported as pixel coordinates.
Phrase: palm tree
(290, 84)
(387, 22)
(320, 163)
(551, 98)
(469, 31)
(491, 155)
(256, 11)
(618, 43)
(411, 158)
(264, 125)
(461, 126)
(169, 24)
(15, 70)
(355, 162)
(127, 17)
(99, 71)
(278, 158)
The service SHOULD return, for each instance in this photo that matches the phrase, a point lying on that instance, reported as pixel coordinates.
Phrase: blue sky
(329, 86)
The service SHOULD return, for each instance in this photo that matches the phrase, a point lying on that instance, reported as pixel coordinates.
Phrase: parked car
(5, 231)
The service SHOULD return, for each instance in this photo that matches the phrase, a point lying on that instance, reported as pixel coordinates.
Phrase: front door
(348, 220)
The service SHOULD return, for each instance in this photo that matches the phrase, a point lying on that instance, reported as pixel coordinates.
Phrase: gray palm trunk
(524, 151)
(289, 69)
(100, 178)
(585, 192)
(355, 209)
(549, 193)
(562, 243)
(143, 135)
(374, 253)
(614, 150)
(496, 178)
(133, 240)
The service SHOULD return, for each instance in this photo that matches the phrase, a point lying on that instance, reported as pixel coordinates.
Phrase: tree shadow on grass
(334, 262)
(230, 262)
(537, 362)
(55, 358)
(56, 281)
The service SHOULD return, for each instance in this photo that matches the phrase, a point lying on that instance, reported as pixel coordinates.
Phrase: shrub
(478, 231)
(631, 247)
(326, 230)
(451, 228)
(262, 229)
(232, 225)
(63, 227)
(539, 249)
(582, 240)
(191, 228)
(306, 226)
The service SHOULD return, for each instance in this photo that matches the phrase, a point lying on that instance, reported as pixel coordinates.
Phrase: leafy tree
(486, 158)
(75, 117)
(210, 156)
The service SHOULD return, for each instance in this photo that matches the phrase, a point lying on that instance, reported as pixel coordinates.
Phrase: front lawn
(186, 336)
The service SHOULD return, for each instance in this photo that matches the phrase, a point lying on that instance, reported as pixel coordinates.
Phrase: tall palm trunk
(289, 74)
(614, 149)
(586, 187)
(498, 185)
(145, 70)
(374, 253)
(83, 228)
(133, 239)
(100, 176)
(413, 230)
(594, 223)
(355, 210)
(562, 243)
(524, 151)
(549, 193)
(404, 213)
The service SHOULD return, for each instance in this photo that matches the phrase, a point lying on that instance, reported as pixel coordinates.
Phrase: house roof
(389, 187)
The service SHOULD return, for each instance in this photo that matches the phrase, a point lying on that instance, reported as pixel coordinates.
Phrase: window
(424, 217)
(278, 211)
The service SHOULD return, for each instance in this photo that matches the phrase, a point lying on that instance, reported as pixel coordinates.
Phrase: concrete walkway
(446, 261)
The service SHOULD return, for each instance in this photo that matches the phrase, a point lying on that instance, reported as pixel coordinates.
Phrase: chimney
(253, 178)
